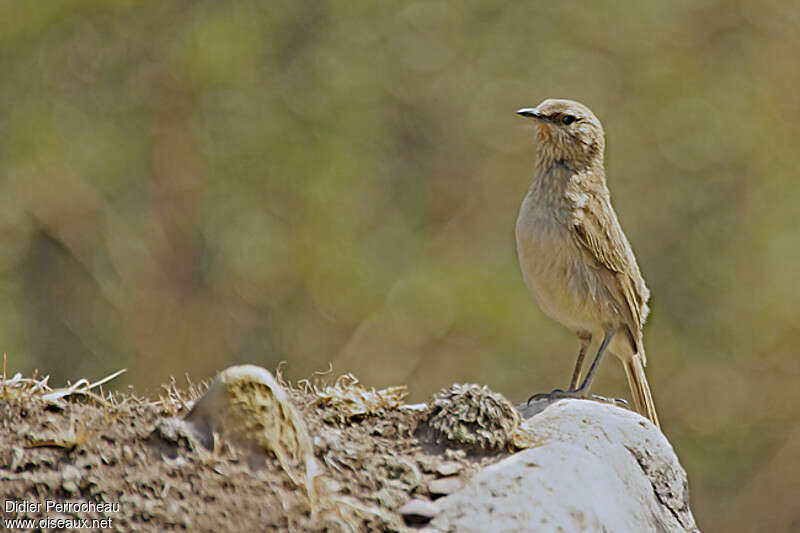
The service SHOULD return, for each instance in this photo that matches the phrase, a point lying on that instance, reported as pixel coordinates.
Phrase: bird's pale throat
(545, 133)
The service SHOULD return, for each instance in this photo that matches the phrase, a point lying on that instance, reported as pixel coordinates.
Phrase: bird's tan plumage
(575, 258)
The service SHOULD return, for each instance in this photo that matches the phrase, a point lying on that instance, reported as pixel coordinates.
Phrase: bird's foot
(556, 394)
(559, 394)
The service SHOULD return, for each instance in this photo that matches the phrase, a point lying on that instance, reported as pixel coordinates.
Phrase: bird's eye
(568, 119)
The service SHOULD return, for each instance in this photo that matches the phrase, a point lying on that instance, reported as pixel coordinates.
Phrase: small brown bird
(575, 259)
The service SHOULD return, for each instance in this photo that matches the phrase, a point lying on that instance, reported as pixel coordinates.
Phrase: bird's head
(568, 131)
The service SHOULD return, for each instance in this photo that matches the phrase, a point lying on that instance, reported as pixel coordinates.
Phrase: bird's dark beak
(530, 112)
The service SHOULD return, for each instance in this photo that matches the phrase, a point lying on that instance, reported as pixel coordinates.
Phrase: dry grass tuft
(20, 388)
(353, 399)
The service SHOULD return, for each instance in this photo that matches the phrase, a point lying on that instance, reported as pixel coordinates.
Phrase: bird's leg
(587, 381)
(586, 339)
(583, 390)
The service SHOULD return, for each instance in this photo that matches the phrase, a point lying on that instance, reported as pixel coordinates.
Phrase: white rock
(598, 468)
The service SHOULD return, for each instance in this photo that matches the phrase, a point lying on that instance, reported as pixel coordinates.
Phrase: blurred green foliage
(187, 185)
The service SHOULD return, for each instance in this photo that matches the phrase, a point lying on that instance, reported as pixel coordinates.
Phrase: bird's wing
(599, 234)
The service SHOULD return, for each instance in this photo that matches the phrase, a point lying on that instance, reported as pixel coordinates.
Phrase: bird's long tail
(640, 390)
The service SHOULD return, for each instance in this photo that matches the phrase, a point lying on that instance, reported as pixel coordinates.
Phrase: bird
(575, 259)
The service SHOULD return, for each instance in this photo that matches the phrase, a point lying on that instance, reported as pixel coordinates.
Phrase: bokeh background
(186, 185)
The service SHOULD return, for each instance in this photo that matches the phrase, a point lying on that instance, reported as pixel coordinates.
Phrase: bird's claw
(558, 394)
(555, 394)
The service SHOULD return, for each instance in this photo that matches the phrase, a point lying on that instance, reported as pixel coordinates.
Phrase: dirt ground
(94, 452)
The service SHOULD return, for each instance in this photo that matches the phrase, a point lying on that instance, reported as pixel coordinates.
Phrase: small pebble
(69, 487)
(450, 453)
(17, 455)
(417, 511)
(127, 454)
(71, 474)
(444, 486)
(449, 469)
